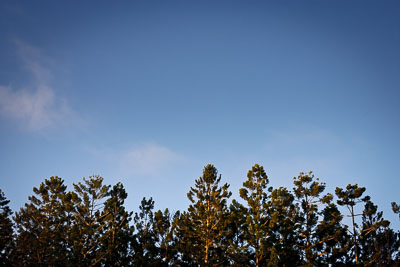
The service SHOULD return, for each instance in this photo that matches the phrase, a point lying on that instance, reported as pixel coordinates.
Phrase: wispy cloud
(36, 106)
(147, 159)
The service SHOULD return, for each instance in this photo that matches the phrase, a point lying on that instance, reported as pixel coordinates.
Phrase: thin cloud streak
(35, 107)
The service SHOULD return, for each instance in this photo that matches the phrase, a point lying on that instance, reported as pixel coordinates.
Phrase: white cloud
(36, 109)
(147, 159)
(36, 106)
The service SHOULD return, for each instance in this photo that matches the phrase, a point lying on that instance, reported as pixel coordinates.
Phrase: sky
(149, 92)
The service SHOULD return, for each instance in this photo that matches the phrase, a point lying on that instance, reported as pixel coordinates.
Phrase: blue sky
(148, 92)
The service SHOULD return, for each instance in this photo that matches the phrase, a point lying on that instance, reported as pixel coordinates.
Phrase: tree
(164, 225)
(308, 192)
(349, 198)
(238, 250)
(203, 226)
(283, 224)
(89, 222)
(6, 231)
(372, 249)
(257, 212)
(117, 233)
(335, 236)
(145, 250)
(387, 246)
(43, 225)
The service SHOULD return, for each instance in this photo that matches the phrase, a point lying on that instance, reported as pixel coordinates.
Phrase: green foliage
(86, 236)
(284, 225)
(257, 214)
(350, 198)
(164, 226)
(203, 227)
(238, 249)
(334, 236)
(308, 192)
(373, 225)
(146, 250)
(43, 224)
(362, 236)
(117, 234)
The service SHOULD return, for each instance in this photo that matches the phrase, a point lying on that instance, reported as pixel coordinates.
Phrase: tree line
(305, 226)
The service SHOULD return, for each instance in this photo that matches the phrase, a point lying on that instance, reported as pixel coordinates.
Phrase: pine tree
(350, 198)
(257, 213)
(6, 231)
(164, 229)
(387, 246)
(203, 227)
(145, 250)
(86, 235)
(42, 226)
(238, 250)
(117, 233)
(283, 224)
(373, 224)
(335, 236)
(308, 192)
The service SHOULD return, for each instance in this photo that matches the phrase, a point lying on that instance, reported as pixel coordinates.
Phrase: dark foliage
(6, 231)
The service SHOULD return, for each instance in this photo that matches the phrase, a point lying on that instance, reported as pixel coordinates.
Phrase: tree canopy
(305, 226)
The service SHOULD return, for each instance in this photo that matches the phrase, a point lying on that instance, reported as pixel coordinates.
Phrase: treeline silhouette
(305, 226)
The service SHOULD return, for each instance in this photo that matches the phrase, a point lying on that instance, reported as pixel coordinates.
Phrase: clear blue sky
(148, 92)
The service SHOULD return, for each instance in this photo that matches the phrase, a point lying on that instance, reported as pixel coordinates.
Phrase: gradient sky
(148, 92)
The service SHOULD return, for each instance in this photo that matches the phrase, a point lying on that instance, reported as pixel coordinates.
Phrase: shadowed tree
(387, 245)
(349, 198)
(43, 225)
(284, 225)
(145, 250)
(393, 236)
(335, 236)
(238, 250)
(117, 234)
(164, 230)
(86, 236)
(308, 192)
(372, 250)
(6, 231)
